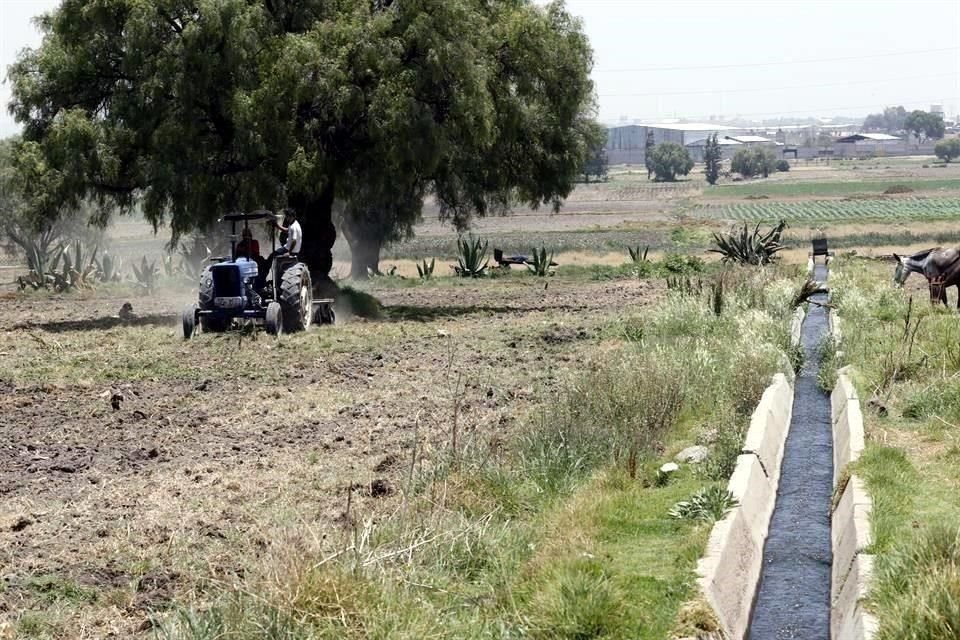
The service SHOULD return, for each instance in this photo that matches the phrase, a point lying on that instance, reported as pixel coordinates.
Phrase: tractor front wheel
(273, 321)
(189, 320)
(210, 323)
(296, 298)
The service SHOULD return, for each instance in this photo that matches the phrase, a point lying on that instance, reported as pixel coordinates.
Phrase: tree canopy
(947, 150)
(712, 157)
(754, 161)
(925, 125)
(26, 236)
(668, 160)
(597, 164)
(890, 121)
(193, 109)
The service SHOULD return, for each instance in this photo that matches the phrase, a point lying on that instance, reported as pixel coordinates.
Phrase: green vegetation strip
(907, 366)
(884, 208)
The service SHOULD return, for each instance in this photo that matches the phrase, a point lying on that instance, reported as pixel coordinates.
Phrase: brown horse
(941, 268)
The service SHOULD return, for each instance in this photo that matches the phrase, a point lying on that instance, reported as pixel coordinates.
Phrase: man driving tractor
(247, 247)
(290, 227)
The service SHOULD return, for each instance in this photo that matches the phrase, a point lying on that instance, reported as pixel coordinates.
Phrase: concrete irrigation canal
(793, 596)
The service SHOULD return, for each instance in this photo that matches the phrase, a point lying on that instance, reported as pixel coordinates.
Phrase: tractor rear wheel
(296, 298)
(189, 320)
(273, 321)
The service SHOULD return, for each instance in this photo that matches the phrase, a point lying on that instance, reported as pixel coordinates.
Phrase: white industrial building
(626, 144)
(728, 147)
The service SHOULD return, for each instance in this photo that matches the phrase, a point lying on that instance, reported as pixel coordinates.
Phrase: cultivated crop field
(881, 208)
(799, 188)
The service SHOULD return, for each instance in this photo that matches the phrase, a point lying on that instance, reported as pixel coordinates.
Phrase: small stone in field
(693, 455)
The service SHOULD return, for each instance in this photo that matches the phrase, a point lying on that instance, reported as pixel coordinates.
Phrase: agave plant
(744, 247)
(472, 261)
(146, 276)
(425, 270)
(108, 268)
(78, 270)
(636, 255)
(541, 262)
(169, 268)
(193, 257)
(710, 503)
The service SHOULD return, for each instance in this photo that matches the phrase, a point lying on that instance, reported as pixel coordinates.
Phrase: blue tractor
(233, 288)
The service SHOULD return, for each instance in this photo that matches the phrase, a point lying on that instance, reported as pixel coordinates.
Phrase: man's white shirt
(294, 237)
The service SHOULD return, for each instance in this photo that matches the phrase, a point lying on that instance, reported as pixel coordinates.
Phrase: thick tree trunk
(364, 251)
(315, 213)
(364, 259)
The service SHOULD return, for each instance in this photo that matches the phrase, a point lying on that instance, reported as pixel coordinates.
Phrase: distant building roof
(858, 137)
(747, 139)
(721, 141)
(679, 126)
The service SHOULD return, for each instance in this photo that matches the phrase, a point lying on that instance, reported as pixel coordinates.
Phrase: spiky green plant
(79, 268)
(636, 255)
(170, 269)
(472, 261)
(42, 262)
(425, 270)
(108, 268)
(744, 247)
(541, 263)
(708, 504)
(146, 276)
(193, 257)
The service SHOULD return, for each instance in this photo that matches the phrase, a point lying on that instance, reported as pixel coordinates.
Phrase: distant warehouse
(627, 144)
(868, 144)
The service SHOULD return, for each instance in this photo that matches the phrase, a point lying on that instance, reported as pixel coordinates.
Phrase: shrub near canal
(907, 363)
(563, 529)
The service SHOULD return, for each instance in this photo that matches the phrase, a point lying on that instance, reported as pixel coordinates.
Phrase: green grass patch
(906, 355)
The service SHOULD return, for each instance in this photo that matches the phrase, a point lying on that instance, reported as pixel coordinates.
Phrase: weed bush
(706, 505)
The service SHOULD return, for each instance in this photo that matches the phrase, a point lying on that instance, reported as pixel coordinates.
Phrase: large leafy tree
(754, 161)
(668, 160)
(196, 108)
(924, 125)
(947, 150)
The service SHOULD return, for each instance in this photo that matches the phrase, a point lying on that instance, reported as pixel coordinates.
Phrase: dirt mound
(757, 197)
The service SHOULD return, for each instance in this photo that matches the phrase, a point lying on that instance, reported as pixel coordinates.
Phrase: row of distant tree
(922, 124)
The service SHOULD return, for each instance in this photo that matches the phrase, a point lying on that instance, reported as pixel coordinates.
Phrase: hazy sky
(768, 58)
